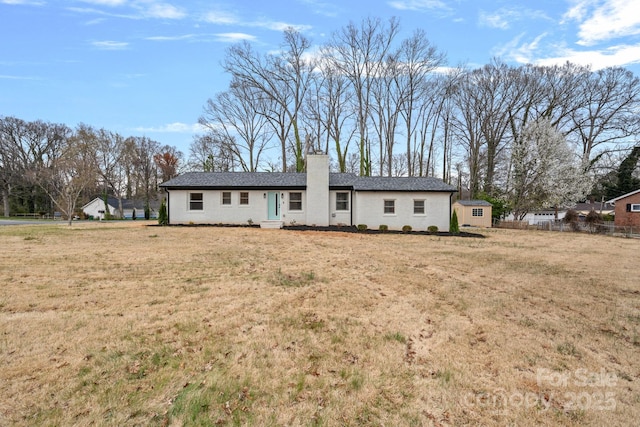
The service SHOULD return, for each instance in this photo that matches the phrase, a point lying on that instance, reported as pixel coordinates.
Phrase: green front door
(273, 201)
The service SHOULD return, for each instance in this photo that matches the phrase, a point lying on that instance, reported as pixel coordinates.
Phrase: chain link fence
(606, 227)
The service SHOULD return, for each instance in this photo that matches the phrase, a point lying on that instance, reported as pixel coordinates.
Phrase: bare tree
(609, 114)
(145, 176)
(282, 79)
(466, 125)
(329, 109)
(358, 53)
(64, 177)
(236, 120)
(418, 58)
(25, 147)
(207, 153)
(111, 160)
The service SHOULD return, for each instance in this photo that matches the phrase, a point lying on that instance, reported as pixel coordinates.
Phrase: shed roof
(290, 180)
(474, 203)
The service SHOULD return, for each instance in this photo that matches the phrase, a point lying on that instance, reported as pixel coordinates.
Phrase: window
(295, 201)
(477, 212)
(389, 206)
(418, 207)
(196, 202)
(226, 197)
(342, 201)
(244, 198)
(634, 207)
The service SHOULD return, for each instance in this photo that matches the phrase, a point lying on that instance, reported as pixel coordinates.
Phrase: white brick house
(317, 198)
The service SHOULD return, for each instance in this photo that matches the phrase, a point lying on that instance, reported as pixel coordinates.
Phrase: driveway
(24, 222)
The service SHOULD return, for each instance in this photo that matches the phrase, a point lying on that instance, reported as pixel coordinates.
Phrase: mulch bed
(354, 229)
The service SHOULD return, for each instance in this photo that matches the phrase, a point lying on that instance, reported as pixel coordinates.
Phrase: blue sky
(147, 67)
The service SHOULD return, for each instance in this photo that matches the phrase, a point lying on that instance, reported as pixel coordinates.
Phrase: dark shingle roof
(132, 204)
(286, 180)
(237, 180)
(474, 203)
(383, 183)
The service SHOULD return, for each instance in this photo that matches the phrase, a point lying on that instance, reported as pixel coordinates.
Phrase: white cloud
(164, 11)
(419, 5)
(604, 20)
(234, 37)
(537, 52)
(614, 56)
(498, 19)
(322, 8)
(110, 45)
(518, 51)
(578, 11)
(278, 26)
(23, 2)
(219, 17)
(504, 18)
(139, 9)
(110, 3)
(9, 77)
(226, 18)
(175, 127)
(171, 38)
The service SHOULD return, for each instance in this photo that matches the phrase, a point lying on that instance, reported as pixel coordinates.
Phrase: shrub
(362, 227)
(432, 229)
(572, 218)
(163, 218)
(454, 228)
(383, 228)
(133, 214)
(594, 220)
(406, 228)
(147, 210)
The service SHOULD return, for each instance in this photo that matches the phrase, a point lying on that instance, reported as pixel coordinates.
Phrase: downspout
(450, 207)
(351, 213)
(166, 190)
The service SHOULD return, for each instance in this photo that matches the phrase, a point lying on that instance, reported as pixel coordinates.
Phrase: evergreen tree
(163, 218)
(454, 228)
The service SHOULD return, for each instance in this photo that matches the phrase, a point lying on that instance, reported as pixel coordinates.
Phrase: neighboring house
(317, 197)
(537, 217)
(627, 209)
(97, 210)
(473, 213)
(550, 215)
(603, 208)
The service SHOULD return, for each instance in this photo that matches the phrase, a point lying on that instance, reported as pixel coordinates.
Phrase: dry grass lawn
(126, 324)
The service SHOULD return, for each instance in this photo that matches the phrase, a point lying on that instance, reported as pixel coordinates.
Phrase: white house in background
(550, 215)
(317, 197)
(97, 209)
(537, 217)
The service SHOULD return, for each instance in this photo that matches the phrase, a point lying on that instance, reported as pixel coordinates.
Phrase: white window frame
(292, 200)
(222, 198)
(245, 200)
(423, 207)
(635, 207)
(475, 210)
(196, 202)
(389, 209)
(344, 202)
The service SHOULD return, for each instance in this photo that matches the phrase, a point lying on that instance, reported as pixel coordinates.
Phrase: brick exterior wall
(624, 218)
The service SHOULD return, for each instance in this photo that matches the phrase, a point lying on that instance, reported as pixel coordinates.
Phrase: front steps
(271, 224)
